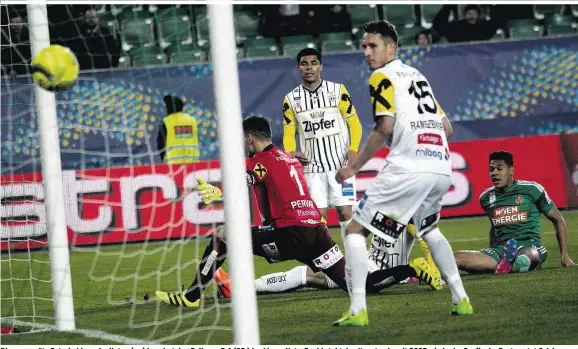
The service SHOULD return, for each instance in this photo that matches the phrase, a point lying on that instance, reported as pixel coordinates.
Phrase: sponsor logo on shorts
(430, 138)
(429, 221)
(432, 153)
(508, 215)
(347, 189)
(387, 225)
(272, 252)
(329, 258)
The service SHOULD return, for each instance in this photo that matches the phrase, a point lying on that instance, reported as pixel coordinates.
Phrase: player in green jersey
(514, 208)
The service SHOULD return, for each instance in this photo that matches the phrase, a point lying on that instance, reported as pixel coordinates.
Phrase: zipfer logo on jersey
(320, 125)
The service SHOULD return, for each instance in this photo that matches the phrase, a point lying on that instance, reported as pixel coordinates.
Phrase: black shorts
(309, 245)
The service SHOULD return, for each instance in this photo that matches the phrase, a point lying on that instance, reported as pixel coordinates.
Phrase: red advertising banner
(536, 158)
(115, 205)
(569, 145)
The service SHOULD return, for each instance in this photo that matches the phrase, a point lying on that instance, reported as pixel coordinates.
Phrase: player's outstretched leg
(510, 254)
(282, 282)
(444, 259)
(213, 257)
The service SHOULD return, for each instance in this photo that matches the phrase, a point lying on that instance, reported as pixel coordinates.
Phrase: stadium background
(521, 83)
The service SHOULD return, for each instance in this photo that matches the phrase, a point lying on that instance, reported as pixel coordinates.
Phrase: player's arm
(257, 171)
(256, 174)
(381, 91)
(349, 113)
(289, 130)
(289, 127)
(561, 235)
(546, 206)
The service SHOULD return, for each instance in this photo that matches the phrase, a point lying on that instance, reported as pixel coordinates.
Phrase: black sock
(214, 257)
(380, 279)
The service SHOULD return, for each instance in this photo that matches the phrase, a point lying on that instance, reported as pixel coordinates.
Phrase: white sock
(443, 256)
(407, 244)
(280, 282)
(356, 257)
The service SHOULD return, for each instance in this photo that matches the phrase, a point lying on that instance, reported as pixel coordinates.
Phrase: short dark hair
(257, 126)
(309, 51)
(173, 104)
(472, 7)
(384, 28)
(503, 155)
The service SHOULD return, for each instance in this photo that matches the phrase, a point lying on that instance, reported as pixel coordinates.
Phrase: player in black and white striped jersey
(322, 113)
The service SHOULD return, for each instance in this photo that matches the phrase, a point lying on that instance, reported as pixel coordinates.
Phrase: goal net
(135, 225)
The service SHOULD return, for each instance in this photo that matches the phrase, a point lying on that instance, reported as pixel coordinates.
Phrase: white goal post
(236, 197)
(45, 103)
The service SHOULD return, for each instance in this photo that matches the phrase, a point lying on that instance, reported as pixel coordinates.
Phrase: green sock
(522, 264)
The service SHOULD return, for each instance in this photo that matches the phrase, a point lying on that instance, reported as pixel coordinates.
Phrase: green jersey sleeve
(540, 196)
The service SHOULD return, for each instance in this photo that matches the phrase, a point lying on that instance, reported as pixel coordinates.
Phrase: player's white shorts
(396, 198)
(326, 192)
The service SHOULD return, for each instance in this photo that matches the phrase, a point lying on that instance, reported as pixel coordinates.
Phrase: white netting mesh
(133, 222)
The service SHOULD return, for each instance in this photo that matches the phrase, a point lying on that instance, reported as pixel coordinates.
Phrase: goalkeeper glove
(208, 193)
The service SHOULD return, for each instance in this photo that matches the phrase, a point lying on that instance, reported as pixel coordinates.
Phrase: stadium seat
(406, 36)
(428, 13)
(174, 26)
(143, 56)
(341, 36)
(133, 13)
(293, 48)
(336, 42)
(300, 39)
(117, 9)
(562, 31)
(400, 15)
(137, 33)
(246, 25)
(266, 43)
(337, 46)
(124, 62)
(498, 36)
(574, 10)
(524, 29)
(561, 24)
(540, 11)
(361, 14)
(261, 51)
(186, 54)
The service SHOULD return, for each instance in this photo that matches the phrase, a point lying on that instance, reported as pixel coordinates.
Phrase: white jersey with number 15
(418, 142)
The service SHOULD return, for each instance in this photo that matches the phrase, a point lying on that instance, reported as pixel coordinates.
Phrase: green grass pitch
(534, 308)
